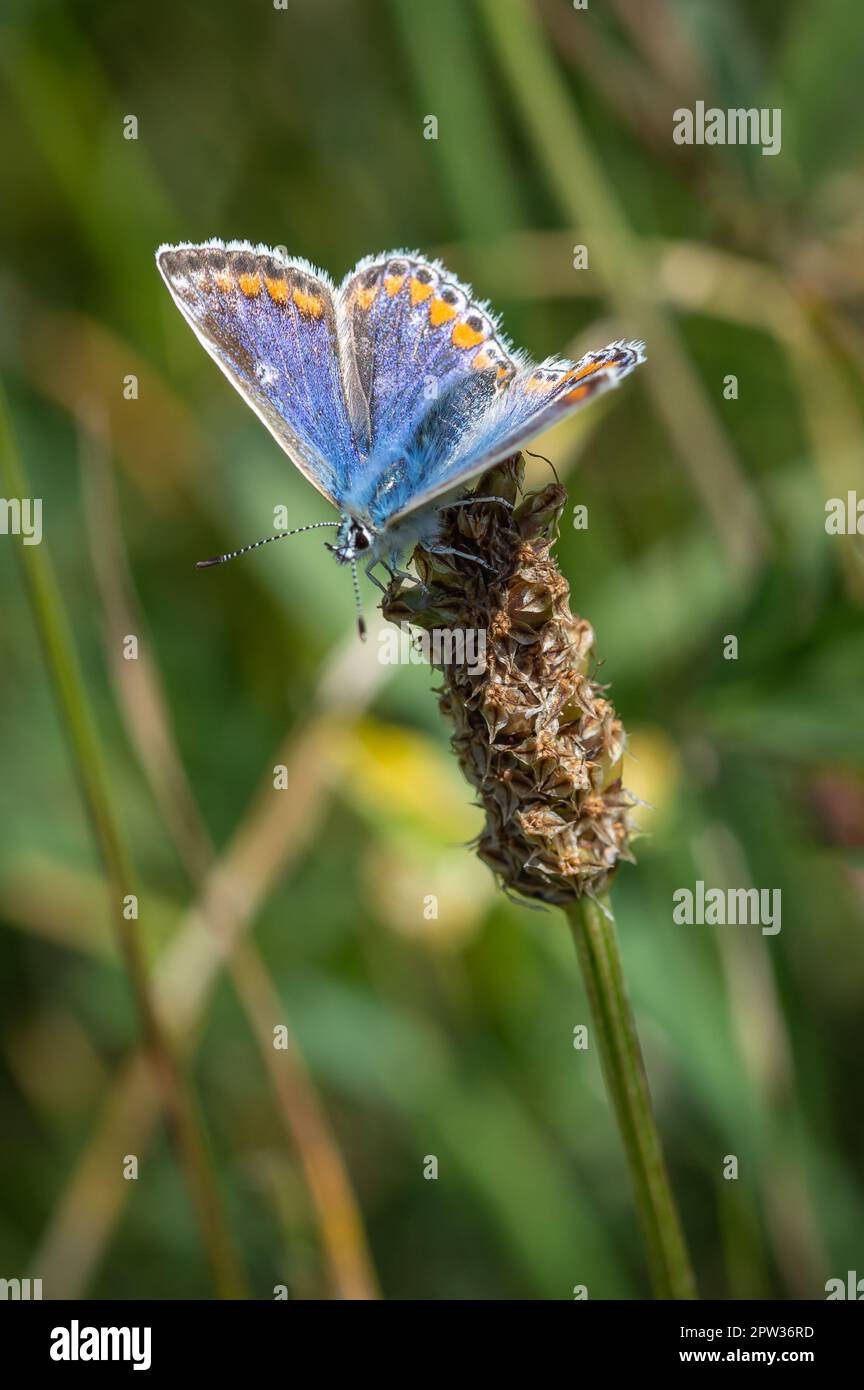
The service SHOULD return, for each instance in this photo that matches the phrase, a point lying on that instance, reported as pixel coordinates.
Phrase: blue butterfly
(389, 392)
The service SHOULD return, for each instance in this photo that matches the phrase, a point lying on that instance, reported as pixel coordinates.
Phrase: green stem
(62, 662)
(624, 1071)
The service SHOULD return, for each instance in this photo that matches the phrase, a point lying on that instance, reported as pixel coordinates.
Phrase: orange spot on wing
(440, 311)
(250, 284)
(465, 337)
(310, 304)
(590, 369)
(224, 281)
(578, 393)
(277, 288)
(481, 361)
(366, 298)
(393, 284)
(419, 291)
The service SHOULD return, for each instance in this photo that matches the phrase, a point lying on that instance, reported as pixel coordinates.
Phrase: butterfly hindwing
(413, 331)
(270, 323)
(392, 490)
(456, 440)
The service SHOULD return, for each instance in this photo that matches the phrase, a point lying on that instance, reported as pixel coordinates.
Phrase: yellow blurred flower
(393, 773)
(652, 771)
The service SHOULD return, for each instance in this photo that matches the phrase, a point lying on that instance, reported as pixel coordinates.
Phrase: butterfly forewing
(270, 323)
(413, 331)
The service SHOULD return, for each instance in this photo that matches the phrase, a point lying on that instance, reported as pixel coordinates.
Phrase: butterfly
(389, 392)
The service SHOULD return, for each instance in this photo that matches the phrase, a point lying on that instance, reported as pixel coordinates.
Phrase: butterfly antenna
(244, 549)
(361, 622)
(545, 460)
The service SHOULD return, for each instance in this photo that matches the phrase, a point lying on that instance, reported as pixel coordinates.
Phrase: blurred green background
(304, 905)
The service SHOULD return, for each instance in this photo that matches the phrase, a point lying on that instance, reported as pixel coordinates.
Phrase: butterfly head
(353, 542)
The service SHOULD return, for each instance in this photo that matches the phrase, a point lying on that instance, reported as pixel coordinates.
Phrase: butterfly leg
(463, 554)
(393, 568)
(369, 575)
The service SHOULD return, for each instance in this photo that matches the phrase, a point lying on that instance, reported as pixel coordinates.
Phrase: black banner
(81, 1339)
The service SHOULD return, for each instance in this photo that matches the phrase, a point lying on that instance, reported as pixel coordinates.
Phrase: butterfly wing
(400, 364)
(467, 432)
(271, 325)
(413, 331)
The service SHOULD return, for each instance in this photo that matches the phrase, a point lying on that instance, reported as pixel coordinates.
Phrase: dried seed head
(533, 731)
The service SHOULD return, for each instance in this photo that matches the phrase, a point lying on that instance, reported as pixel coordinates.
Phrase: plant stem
(63, 668)
(624, 1071)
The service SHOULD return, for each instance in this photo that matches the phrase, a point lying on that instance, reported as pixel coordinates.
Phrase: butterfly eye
(360, 539)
